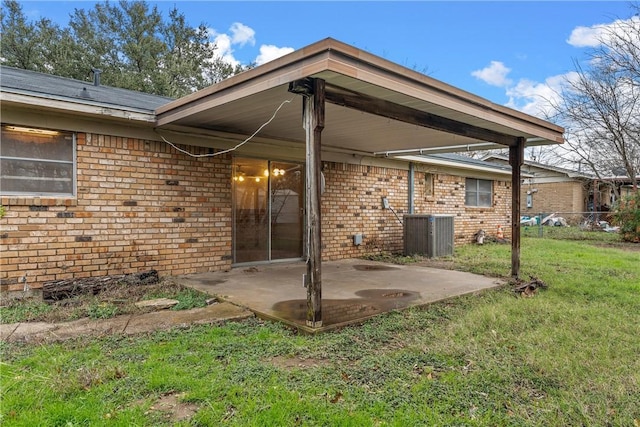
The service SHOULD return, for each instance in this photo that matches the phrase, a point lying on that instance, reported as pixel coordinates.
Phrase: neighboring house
(548, 189)
(613, 187)
(97, 180)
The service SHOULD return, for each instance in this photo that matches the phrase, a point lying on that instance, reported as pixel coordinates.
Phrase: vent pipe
(96, 76)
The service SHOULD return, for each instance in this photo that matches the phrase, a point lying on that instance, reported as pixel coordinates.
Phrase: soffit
(243, 103)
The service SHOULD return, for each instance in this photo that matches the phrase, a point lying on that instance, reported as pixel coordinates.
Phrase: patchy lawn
(116, 300)
(567, 356)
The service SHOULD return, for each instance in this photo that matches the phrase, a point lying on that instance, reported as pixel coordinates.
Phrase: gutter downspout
(411, 189)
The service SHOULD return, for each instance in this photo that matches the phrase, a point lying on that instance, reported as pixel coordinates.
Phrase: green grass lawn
(569, 356)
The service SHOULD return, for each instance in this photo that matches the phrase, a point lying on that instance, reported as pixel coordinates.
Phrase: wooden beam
(380, 107)
(313, 118)
(516, 160)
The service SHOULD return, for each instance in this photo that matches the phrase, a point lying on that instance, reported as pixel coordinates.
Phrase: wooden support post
(516, 160)
(313, 119)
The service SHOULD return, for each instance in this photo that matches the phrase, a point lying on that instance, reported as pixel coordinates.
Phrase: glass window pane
(484, 185)
(31, 176)
(478, 192)
(36, 146)
(470, 199)
(251, 215)
(287, 207)
(36, 161)
(484, 199)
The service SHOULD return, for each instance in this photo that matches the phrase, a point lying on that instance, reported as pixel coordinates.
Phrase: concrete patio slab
(352, 289)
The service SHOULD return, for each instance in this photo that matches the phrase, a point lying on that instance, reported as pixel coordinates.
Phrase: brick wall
(140, 205)
(352, 204)
(448, 198)
(556, 197)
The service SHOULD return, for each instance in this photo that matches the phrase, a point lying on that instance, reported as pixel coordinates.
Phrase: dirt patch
(297, 362)
(625, 246)
(115, 300)
(171, 408)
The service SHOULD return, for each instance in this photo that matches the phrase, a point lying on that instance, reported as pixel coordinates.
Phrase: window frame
(73, 162)
(476, 192)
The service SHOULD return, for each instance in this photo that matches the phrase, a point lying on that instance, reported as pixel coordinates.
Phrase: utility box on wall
(428, 235)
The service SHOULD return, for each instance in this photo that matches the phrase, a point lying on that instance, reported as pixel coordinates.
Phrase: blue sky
(511, 53)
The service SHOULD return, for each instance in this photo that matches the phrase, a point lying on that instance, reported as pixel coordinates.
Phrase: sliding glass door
(267, 210)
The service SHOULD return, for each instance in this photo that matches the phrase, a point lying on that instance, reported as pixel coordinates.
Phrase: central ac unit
(428, 235)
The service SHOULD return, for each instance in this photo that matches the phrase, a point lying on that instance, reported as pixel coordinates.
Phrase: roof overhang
(68, 105)
(243, 103)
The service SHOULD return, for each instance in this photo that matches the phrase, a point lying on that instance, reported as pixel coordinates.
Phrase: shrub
(627, 216)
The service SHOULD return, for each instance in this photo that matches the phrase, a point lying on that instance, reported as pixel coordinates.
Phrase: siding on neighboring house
(569, 196)
(552, 189)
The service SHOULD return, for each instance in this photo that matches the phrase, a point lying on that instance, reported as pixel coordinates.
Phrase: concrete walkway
(38, 332)
(352, 290)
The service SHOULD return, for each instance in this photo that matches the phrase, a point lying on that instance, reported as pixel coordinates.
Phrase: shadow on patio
(352, 289)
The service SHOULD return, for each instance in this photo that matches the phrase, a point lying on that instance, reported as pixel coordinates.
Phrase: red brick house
(98, 180)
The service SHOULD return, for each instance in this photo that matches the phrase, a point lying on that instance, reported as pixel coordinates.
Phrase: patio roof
(368, 102)
(356, 102)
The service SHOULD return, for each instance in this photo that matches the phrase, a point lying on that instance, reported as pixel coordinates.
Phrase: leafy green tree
(21, 41)
(131, 42)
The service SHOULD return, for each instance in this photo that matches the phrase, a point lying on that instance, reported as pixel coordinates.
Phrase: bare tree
(600, 105)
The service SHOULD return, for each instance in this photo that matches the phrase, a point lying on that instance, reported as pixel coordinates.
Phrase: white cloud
(239, 36)
(494, 74)
(586, 36)
(223, 50)
(538, 99)
(269, 52)
(242, 34)
(594, 35)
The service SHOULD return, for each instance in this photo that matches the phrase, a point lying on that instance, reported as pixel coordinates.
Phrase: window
(37, 162)
(478, 192)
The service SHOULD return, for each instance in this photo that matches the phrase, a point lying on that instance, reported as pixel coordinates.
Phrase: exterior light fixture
(32, 130)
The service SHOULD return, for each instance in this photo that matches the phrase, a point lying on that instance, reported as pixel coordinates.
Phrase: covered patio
(355, 103)
(353, 289)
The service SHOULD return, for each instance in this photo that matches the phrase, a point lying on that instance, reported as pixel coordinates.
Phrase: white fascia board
(88, 108)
